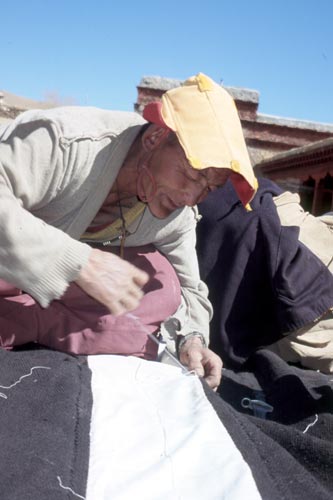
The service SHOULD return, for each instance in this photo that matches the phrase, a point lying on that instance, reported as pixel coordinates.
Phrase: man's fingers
(214, 379)
(197, 368)
(192, 358)
(130, 302)
(213, 369)
(203, 361)
(125, 302)
(112, 281)
(136, 293)
(140, 277)
(213, 382)
(116, 308)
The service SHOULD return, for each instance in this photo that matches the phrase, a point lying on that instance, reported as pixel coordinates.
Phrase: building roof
(294, 123)
(7, 99)
(164, 84)
(316, 152)
(242, 95)
(12, 105)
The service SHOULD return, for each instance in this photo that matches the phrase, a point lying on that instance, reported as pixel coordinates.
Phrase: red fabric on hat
(242, 188)
(152, 113)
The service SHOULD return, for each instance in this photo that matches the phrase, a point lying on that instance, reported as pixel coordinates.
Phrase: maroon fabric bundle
(78, 324)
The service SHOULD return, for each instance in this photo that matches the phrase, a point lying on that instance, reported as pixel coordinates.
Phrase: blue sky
(96, 52)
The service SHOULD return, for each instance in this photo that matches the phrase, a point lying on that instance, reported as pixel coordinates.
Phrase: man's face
(177, 184)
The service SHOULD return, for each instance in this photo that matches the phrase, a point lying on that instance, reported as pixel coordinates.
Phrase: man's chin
(160, 212)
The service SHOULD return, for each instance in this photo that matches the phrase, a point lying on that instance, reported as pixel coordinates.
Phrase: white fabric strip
(155, 436)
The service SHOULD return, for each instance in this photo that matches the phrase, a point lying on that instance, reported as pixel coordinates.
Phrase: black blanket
(289, 449)
(46, 405)
(45, 414)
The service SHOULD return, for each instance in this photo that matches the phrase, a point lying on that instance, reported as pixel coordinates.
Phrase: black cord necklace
(124, 231)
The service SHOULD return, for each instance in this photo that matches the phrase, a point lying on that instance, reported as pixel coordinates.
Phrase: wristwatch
(181, 339)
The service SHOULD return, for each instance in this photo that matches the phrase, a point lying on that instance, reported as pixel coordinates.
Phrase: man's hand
(112, 281)
(202, 360)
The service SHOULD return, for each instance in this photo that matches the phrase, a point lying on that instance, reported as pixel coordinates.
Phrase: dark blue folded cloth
(263, 282)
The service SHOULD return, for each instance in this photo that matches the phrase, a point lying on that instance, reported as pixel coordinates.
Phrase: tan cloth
(315, 232)
(311, 346)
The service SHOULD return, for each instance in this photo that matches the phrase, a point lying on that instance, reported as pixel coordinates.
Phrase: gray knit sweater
(56, 169)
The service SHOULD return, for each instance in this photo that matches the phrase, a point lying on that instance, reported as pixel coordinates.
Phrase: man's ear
(153, 136)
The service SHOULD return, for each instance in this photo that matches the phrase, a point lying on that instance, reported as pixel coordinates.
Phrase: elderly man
(84, 191)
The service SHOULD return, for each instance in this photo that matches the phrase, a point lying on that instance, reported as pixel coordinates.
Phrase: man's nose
(199, 196)
(204, 182)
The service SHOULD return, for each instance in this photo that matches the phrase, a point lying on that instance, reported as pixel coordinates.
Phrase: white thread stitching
(310, 425)
(69, 489)
(2, 395)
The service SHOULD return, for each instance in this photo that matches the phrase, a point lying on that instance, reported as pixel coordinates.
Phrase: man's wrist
(182, 339)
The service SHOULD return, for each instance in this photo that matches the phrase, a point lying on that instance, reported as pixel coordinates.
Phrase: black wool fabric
(290, 451)
(46, 402)
(263, 282)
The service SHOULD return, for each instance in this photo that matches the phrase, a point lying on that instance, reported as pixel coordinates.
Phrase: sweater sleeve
(180, 248)
(34, 255)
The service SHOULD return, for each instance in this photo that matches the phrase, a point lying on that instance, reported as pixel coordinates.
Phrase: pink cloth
(78, 324)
